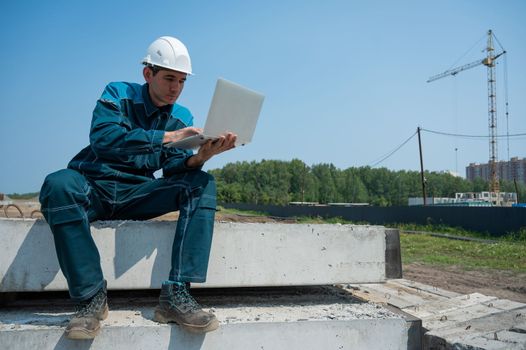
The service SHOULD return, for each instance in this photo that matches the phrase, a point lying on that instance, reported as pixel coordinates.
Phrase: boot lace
(91, 306)
(182, 296)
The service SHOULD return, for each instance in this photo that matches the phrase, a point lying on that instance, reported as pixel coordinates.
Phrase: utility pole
(303, 183)
(516, 188)
(422, 178)
(456, 161)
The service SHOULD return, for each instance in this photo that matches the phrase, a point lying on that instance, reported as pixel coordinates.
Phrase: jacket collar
(149, 107)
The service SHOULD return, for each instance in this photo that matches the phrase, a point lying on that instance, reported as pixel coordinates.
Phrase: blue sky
(345, 81)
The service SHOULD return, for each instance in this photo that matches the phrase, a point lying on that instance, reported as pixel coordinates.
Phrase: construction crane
(489, 62)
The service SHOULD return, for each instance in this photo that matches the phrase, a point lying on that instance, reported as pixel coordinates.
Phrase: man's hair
(155, 69)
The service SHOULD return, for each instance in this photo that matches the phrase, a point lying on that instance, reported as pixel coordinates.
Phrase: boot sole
(161, 317)
(83, 333)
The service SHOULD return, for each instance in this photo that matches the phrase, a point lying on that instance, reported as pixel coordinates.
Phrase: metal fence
(496, 221)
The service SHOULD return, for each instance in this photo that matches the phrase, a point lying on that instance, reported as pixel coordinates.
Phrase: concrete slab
(451, 320)
(519, 327)
(136, 254)
(495, 331)
(393, 254)
(319, 318)
(511, 337)
(452, 317)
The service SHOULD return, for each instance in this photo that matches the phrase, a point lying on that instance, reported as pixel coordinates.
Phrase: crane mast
(489, 62)
(492, 115)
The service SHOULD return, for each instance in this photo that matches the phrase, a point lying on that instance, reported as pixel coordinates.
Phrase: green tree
(354, 190)
(326, 187)
(279, 182)
(303, 185)
(273, 182)
(479, 185)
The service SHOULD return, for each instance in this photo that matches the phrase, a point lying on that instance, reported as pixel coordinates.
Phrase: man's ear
(147, 73)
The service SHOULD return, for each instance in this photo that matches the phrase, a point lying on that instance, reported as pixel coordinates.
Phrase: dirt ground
(501, 284)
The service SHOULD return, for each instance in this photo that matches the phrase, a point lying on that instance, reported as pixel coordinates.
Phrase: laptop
(234, 108)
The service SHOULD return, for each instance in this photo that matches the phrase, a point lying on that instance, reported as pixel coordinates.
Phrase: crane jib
(489, 62)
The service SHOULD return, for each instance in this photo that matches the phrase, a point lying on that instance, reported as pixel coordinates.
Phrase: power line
(498, 42)
(388, 155)
(468, 51)
(393, 151)
(471, 136)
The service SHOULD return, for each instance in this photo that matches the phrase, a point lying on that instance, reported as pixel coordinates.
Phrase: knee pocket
(207, 202)
(65, 180)
(64, 197)
(207, 189)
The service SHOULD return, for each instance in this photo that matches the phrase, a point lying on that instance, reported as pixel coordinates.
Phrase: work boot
(85, 324)
(177, 305)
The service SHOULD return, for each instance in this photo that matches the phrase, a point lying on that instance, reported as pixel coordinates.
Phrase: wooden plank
(440, 307)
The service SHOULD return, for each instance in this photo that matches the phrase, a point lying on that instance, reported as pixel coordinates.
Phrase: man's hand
(212, 148)
(173, 136)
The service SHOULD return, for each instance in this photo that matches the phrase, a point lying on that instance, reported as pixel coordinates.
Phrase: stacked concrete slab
(451, 320)
(136, 255)
(307, 318)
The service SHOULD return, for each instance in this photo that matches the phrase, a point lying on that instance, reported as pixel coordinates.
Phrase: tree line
(280, 182)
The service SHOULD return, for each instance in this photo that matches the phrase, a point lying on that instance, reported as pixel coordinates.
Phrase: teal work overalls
(112, 178)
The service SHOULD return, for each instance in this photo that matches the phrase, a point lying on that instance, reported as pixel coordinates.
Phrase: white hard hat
(170, 53)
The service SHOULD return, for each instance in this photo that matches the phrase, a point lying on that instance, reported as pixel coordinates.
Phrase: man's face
(165, 86)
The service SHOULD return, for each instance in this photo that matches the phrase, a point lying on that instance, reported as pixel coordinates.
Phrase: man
(112, 178)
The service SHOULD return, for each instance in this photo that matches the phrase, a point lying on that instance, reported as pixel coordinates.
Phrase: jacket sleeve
(112, 136)
(173, 160)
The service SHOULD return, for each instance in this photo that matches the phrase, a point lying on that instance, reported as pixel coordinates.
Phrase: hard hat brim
(146, 63)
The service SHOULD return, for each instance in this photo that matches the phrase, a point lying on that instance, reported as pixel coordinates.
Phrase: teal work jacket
(126, 136)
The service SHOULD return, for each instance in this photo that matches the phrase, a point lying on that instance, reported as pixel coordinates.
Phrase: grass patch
(29, 195)
(240, 212)
(519, 236)
(319, 220)
(322, 220)
(504, 255)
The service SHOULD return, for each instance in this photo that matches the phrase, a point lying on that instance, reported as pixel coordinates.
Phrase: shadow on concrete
(68, 344)
(181, 339)
(35, 265)
(136, 241)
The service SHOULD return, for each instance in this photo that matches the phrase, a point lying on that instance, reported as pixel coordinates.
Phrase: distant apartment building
(506, 170)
